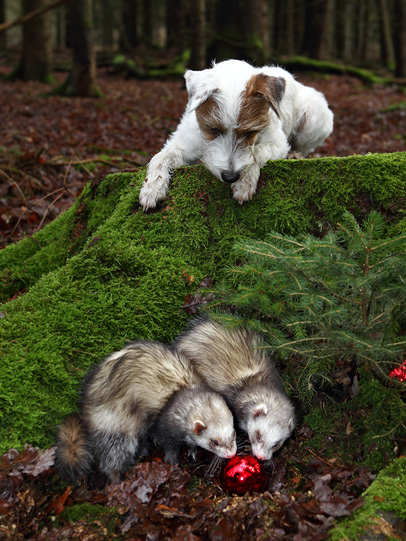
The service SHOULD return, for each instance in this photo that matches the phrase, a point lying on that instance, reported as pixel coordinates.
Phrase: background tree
(317, 22)
(198, 44)
(179, 22)
(255, 29)
(3, 43)
(36, 55)
(156, 22)
(400, 38)
(107, 21)
(82, 78)
(359, 32)
(386, 33)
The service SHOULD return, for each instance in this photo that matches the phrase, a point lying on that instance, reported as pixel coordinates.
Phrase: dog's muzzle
(230, 177)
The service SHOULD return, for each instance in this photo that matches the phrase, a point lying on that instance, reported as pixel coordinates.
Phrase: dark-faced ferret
(235, 363)
(146, 390)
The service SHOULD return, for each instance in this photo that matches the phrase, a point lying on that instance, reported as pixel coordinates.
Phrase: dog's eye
(250, 134)
(216, 132)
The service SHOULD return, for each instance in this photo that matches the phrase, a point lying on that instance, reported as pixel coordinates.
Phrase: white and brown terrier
(237, 118)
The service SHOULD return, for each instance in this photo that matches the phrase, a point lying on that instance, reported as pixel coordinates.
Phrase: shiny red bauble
(400, 372)
(243, 474)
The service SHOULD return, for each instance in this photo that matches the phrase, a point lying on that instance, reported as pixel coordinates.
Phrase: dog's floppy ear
(271, 89)
(200, 85)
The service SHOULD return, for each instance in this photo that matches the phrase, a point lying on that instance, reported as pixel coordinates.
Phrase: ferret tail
(74, 457)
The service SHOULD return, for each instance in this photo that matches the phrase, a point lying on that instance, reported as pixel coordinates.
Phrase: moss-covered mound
(383, 514)
(106, 272)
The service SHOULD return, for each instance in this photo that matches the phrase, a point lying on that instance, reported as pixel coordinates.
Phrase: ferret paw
(171, 457)
(295, 156)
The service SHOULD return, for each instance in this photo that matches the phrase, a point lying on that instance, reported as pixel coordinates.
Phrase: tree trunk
(290, 28)
(128, 37)
(400, 37)
(317, 24)
(271, 27)
(386, 33)
(179, 32)
(36, 57)
(107, 22)
(82, 80)
(346, 14)
(254, 25)
(198, 45)
(60, 28)
(3, 40)
(156, 13)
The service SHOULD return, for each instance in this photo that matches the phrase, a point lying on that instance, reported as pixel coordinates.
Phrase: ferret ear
(198, 427)
(291, 424)
(259, 410)
(200, 86)
(271, 89)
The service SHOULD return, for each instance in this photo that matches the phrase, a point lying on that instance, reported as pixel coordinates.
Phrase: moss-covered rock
(105, 272)
(384, 512)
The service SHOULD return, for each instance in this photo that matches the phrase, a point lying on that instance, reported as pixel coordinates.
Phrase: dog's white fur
(237, 118)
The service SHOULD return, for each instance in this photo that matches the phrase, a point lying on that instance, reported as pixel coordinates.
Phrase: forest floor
(49, 148)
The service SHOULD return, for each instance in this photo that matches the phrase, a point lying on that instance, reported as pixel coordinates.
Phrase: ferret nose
(230, 177)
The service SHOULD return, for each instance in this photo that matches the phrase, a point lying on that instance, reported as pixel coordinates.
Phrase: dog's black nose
(230, 177)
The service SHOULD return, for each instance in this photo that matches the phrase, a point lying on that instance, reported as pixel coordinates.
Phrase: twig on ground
(64, 188)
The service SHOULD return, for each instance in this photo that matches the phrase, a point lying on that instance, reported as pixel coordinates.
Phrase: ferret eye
(276, 446)
(214, 443)
(258, 437)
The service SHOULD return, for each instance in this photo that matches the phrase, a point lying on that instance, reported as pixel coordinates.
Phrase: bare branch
(31, 15)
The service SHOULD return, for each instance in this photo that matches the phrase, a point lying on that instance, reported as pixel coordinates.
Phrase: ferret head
(268, 428)
(212, 428)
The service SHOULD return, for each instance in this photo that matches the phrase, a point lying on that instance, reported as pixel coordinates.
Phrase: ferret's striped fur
(146, 390)
(233, 363)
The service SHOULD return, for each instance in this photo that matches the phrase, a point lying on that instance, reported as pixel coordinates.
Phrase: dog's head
(232, 110)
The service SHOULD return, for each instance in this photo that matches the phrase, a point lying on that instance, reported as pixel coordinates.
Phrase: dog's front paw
(153, 190)
(245, 188)
(148, 197)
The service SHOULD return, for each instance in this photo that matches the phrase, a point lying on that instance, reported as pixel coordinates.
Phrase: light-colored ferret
(145, 391)
(233, 363)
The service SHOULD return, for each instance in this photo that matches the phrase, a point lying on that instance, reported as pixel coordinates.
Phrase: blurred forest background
(91, 87)
(369, 33)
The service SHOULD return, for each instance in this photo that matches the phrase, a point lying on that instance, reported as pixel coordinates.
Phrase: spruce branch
(339, 297)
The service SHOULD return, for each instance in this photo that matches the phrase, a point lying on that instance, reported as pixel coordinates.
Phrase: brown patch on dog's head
(208, 118)
(262, 92)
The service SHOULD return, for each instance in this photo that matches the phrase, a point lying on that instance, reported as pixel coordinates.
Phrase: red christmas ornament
(243, 474)
(400, 372)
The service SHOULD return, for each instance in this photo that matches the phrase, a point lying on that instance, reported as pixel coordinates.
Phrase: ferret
(144, 391)
(233, 363)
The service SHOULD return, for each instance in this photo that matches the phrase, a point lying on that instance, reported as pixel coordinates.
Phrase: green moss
(22, 264)
(378, 417)
(301, 62)
(105, 272)
(323, 423)
(385, 497)
(100, 516)
(86, 511)
(364, 428)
